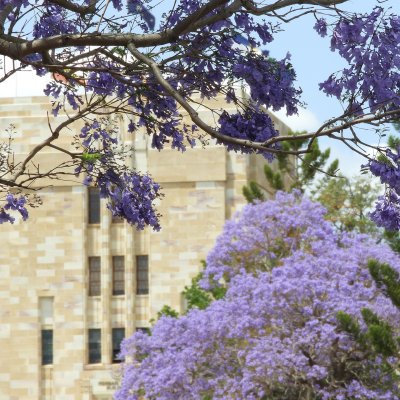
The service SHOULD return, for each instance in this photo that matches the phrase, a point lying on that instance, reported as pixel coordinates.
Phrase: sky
(312, 60)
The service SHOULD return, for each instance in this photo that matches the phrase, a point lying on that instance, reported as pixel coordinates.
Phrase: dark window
(118, 276)
(94, 205)
(143, 330)
(47, 346)
(94, 276)
(118, 334)
(94, 346)
(142, 274)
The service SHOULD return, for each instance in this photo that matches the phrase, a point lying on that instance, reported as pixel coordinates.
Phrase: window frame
(94, 277)
(116, 348)
(94, 346)
(47, 346)
(94, 208)
(118, 270)
(142, 275)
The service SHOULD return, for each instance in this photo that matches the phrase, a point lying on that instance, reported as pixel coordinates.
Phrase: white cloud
(305, 120)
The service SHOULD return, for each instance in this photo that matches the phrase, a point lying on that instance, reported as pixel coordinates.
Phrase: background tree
(298, 172)
(348, 202)
(306, 315)
(194, 296)
(115, 58)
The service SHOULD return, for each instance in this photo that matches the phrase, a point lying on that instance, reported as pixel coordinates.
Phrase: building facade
(74, 282)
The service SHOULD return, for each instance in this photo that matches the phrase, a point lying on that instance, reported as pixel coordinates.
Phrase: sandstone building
(73, 282)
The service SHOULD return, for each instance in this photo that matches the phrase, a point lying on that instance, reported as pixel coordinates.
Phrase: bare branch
(54, 136)
(82, 10)
(279, 4)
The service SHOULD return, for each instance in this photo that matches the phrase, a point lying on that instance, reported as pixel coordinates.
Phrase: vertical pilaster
(130, 284)
(106, 276)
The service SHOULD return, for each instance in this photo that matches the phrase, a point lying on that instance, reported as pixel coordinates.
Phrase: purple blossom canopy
(157, 65)
(275, 335)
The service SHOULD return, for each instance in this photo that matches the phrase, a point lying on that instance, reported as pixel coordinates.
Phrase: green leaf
(348, 324)
(387, 278)
(369, 317)
(167, 311)
(90, 158)
(195, 296)
(253, 192)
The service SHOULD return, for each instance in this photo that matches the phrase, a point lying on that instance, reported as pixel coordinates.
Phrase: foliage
(145, 63)
(303, 317)
(195, 297)
(198, 297)
(300, 171)
(167, 311)
(392, 238)
(348, 202)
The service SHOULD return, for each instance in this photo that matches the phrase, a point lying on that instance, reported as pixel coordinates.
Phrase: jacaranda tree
(152, 60)
(309, 313)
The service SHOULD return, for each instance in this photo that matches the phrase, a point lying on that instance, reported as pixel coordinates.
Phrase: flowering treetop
(282, 330)
(126, 58)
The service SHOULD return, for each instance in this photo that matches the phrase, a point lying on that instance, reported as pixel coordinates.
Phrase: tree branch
(264, 147)
(82, 10)
(54, 136)
(193, 114)
(18, 48)
(279, 4)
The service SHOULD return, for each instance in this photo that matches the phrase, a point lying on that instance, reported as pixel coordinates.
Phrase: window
(142, 274)
(94, 276)
(145, 330)
(94, 205)
(118, 281)
(47, 346)
(118, 334)
(94, 346)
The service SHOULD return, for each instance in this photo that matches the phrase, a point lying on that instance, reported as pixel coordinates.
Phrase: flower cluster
(387, 211)
(104, 83)
(387, 208)
(52, 22)
(253, 125)
(270, 81)
(130, 196)
(276, 333)
(97, 130)
(387, 169)
(369, 44)
(321, 27)
(259, 237)
(13, 203)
